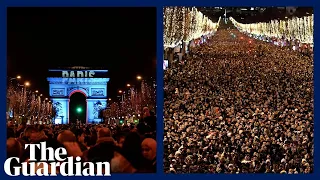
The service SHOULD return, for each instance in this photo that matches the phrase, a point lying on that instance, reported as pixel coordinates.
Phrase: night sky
(121, 40)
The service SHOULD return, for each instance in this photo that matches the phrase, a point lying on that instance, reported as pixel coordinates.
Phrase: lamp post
(121, 92)
(18, 77)
(139, 77)
(24, 96)
(121, 103)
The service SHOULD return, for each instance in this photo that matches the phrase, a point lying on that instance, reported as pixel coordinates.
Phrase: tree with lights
(185, 24)
(291, 29)
(26, 106)
(181, 25)
(132, 103)
(14, 100)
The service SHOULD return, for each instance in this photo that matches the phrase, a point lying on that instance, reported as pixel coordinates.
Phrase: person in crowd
(149, 149)
(116, 144)
(104, 147)
(82, 139)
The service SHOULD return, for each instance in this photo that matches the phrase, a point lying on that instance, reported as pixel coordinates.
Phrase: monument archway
(63, 83)
(77, 107)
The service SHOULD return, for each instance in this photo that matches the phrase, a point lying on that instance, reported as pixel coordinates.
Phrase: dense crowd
(128, 148)
(239, 105)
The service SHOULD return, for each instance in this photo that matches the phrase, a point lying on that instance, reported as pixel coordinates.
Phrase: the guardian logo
(73, 165)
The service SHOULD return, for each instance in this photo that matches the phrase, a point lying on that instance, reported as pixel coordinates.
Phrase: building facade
(90, 82)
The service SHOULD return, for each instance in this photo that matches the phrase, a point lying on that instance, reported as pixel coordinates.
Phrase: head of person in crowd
(120, 139)
(146, 112)
(149, 149)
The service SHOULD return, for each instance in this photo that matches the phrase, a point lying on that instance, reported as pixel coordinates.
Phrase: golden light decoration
(133, 102)
(185, 24)
(27, 104)
(294, 28)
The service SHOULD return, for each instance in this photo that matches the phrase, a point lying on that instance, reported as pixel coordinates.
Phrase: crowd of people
(128, 148)
(239, 105)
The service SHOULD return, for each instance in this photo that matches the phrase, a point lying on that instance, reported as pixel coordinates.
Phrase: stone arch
(91, 83)
(85, 95)
(78, 91)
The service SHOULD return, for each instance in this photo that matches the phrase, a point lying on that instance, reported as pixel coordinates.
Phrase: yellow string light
(185, 24)
(294, 28)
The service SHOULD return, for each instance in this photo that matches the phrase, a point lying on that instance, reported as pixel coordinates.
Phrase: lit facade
(91, 83)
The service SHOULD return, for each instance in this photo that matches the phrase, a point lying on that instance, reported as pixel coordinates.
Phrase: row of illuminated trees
(24, 104)
(132, 101)
(185, 24)
(292, 29)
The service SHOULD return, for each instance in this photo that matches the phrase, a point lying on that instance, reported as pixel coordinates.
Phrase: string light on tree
(25, 103)
(133, 102)
(185, 24)
(291, 29)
